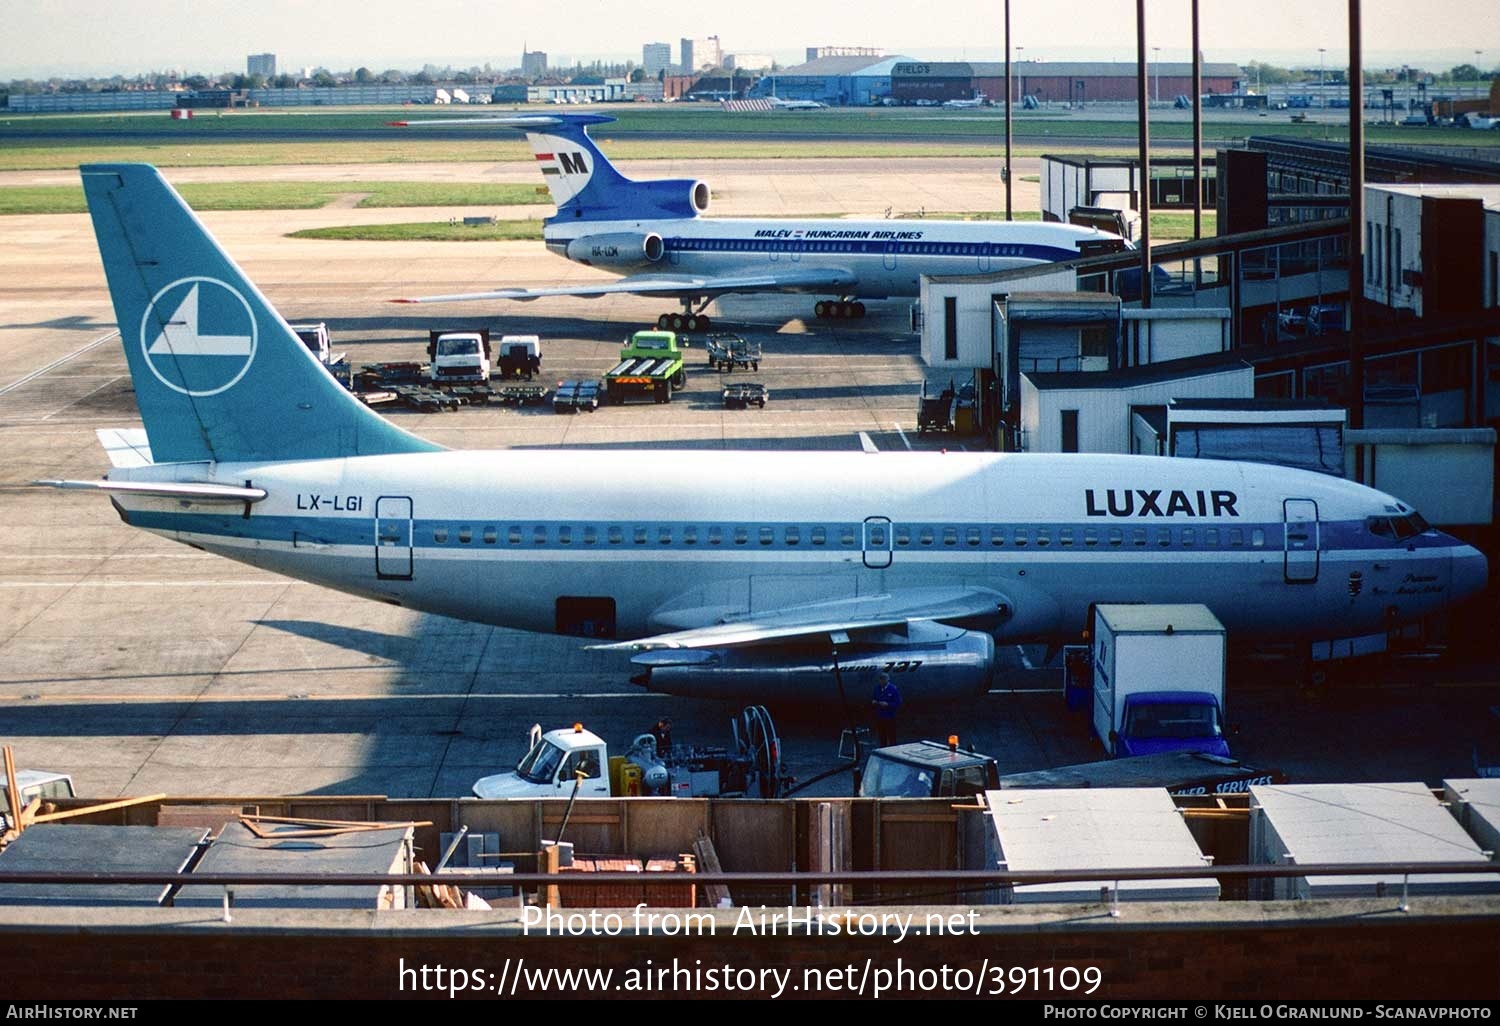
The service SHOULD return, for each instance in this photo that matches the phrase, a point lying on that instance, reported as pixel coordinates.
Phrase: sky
(42, 38)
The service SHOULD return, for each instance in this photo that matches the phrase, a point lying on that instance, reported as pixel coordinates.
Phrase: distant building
(698, 54)
(656, 58)
(261, 64)
(818, 52)
(533, 63)
(844, 81)
(748, 61)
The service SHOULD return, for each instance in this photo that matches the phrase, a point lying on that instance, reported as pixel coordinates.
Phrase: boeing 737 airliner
(769, 574)
(654, 233)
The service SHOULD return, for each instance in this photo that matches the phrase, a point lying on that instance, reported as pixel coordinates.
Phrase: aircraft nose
(1470, 572)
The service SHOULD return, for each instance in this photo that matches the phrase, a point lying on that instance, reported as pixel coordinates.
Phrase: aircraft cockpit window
(1380, 527)
(1420, 523)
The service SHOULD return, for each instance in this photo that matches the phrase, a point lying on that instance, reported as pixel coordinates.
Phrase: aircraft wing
(791, 279)
(972, 606)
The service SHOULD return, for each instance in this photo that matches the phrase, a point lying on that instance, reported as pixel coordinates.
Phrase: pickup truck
(33, 784)
(650, 367)
(459, 357)
(559, 760)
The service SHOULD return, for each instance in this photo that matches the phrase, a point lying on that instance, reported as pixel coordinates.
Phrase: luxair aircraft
(770, 574)
(654, 233)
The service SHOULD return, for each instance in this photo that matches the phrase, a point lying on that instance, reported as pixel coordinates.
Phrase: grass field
(68, 199)
(676, 131)
(430, 231)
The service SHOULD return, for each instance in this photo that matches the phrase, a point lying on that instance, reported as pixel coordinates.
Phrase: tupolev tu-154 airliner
(655, 234)
(769, 574)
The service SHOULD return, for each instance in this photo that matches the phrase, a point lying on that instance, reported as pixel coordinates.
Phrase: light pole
(1156, 56)
(1021, 79)
(1322, 97)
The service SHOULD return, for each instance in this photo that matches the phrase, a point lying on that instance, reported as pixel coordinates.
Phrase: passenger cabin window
(664, 536)
(819, 535)
(1211, 537)
(590, 535)
(1021, 537)
(565, 535)
(971, 536)
(1236, 536)
(925, 536)
(767, 535)
(1138, 537)
(997, 536)
(793, 535)
(1065, 536)
(846, 537)
(1043, 537)
(1187, 537)
(640, 536)
(1164, 537)
(715, 535)
(465, 535)
(538, 535)
(616, 534)
(440, 535)
(741, 535)
(950, 536)
(1116, 537)
(690, 535)
(877, 536)
(1258, 537)
(903, 535)
(491, 536)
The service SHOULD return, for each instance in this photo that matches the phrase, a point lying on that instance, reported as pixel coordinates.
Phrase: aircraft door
(1301, 537)
(888, 256)
(393, 538)
(878, 544)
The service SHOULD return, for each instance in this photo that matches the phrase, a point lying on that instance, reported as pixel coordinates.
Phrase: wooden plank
(12, 795)
(123, 803)
(717, 895)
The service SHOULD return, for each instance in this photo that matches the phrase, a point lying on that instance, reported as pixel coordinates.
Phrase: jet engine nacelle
(617, 249)
(671, 197)
(936, 670)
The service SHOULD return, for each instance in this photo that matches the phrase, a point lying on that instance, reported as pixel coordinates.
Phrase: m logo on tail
(199, 336)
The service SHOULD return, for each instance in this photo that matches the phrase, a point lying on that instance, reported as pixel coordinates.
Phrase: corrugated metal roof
(1145, 374)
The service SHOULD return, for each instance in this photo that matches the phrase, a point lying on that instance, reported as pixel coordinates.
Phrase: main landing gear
(839, 310)
(689, 320)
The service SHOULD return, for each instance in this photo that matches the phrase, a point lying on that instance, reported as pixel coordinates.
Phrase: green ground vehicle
(650, 367)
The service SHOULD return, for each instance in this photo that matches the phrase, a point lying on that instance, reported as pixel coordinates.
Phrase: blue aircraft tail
(587, 187)
(218, 375)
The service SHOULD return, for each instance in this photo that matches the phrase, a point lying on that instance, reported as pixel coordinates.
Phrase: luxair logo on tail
(199, 336)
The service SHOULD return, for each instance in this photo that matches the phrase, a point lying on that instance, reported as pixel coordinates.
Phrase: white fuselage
(675, 540)
(885, 258)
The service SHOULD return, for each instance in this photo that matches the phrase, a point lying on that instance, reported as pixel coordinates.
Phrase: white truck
(33, 784)
(316, 338)
(459, 357)
(1158, 679)
(560, 759)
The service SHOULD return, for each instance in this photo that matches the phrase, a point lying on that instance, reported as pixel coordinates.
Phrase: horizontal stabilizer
(125, 447)
(196, 491)
(865, 613)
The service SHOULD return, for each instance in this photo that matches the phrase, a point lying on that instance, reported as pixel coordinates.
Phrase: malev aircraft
(654, 233)
(769, 574)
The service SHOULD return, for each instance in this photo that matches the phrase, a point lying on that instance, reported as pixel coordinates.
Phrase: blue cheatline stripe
(871, 247)
(903, 536)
